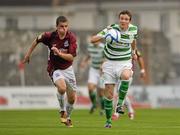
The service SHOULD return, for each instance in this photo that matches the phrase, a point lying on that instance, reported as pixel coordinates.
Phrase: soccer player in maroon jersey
(62, 47)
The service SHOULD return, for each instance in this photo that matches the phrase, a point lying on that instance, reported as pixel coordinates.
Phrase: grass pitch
(46, 122)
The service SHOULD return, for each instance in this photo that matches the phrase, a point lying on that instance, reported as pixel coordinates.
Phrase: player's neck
(124, 29)
(62, 36)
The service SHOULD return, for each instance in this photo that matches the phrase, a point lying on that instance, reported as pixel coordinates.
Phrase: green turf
(46, 122)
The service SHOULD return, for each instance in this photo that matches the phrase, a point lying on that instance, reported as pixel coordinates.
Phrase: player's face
(62, 28)
(124, 21)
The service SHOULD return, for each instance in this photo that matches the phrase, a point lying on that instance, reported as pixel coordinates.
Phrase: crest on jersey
(66, 43)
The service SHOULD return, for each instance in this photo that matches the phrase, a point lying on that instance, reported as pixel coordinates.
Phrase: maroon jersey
(67, 45)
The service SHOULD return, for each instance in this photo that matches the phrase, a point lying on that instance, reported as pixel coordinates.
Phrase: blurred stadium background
(30, 87)
(22, 20)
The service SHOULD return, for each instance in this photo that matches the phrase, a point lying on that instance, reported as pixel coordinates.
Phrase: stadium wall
(45, 97)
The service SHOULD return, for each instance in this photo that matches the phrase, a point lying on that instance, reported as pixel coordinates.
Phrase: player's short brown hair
(126, 12)
(61, 19)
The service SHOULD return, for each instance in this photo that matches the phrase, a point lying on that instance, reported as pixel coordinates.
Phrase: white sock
(127, 103)
(61, 100)
(69, 108)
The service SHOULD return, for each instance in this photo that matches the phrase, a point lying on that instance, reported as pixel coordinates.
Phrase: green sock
(108, 106)
(122, 91)
(92, 96)
(102, 102)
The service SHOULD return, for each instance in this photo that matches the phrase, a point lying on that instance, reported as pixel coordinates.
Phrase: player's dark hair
(126, 12)
(61, 19)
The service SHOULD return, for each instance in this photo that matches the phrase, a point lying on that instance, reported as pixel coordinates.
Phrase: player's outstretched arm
(99, 37)
(29, 52)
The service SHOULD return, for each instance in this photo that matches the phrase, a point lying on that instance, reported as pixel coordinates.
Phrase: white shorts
(112, 70)
(94, 75)
(67, 75)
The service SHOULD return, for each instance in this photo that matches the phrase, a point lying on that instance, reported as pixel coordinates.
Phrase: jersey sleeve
(136, 36)
(136, 33)
(133, 30)
(44, 38)
(73, 45)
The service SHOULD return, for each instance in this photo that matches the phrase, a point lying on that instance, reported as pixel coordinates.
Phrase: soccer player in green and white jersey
(96, 55)
(118, 65)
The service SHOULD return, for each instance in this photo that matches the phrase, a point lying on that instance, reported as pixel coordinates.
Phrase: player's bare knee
(61, 92)
(110, 97)
(91, 87)
(90, 90)
(126, 75)
(61, 89)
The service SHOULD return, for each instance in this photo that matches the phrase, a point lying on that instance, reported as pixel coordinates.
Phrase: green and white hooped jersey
(96, 54)
(120, 50)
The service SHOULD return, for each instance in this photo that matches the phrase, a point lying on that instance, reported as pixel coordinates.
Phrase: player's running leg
(101, 100)
(62, 111)
(59, 81)
(92, 96)
(71, 96)
(123, 88)
(129, 107)
(108, 104)
(69, 106)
